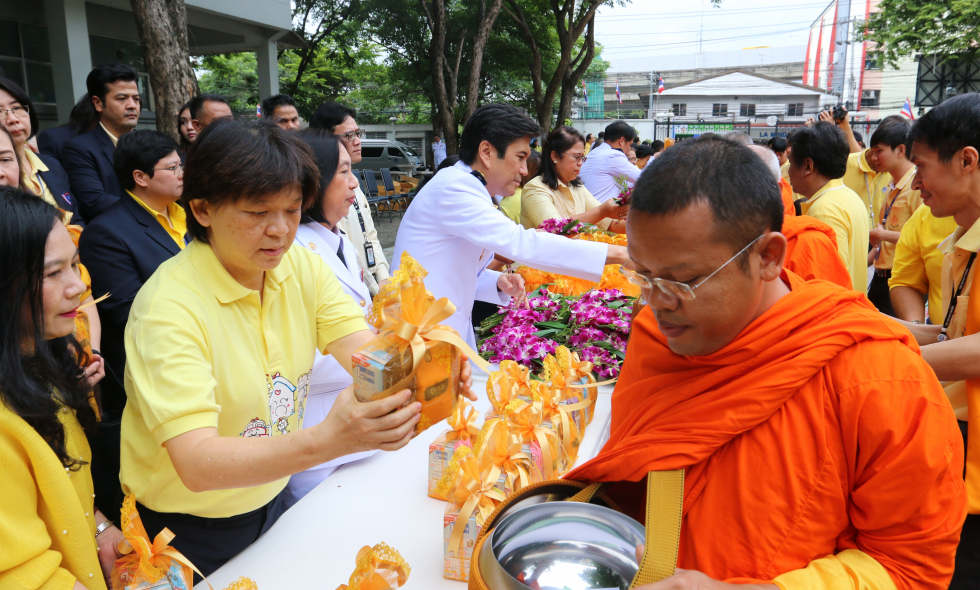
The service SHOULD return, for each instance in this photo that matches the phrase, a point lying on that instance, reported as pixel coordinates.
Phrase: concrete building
(51, 46)
(634, 87)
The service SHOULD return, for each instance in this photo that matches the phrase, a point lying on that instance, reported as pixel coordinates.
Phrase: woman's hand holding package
(353, 426)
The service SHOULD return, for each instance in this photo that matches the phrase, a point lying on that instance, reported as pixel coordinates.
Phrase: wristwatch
(102, 528)
(915, 322)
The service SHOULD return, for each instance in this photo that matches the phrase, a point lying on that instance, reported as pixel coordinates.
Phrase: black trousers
(967, 573)
(104, 443)
(878, 292)
(210, 542)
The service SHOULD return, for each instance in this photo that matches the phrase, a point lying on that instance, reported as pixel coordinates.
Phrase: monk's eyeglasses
(676, 289)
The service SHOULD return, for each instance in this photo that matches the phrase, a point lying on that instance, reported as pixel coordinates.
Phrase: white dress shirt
(602, 170)
(352, 227)
(329, 377)
(438, 152)
(452, 229)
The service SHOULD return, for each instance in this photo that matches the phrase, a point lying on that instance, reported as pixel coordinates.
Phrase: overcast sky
(654, 34)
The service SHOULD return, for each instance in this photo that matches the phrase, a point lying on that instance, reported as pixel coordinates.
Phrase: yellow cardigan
(47, 514)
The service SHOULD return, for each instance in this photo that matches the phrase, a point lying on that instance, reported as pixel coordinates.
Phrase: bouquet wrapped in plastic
(412, 351)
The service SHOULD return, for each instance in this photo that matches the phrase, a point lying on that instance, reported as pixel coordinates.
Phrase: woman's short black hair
(949, 127)
(500, 124)
(18, 94)
(644, 151)
(140, 149)
(325, 147)
(825, 144)
(36, 385)
(233, 160)
(330, 114)
(559, 140)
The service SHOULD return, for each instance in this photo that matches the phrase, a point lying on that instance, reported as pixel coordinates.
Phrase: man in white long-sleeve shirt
(608, 163)
(453, 227)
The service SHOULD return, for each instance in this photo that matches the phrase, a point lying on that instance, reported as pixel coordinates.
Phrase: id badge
(369, 255)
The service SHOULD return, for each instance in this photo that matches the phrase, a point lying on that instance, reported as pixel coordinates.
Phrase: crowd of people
(181, 317)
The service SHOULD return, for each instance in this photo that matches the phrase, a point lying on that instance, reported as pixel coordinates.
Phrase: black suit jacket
(50, 141)
(57, 181)
(121, 249)
(88, 160)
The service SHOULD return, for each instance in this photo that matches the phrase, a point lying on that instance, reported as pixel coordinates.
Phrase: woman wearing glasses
(41, 175)
(122, 247)
(559, 194)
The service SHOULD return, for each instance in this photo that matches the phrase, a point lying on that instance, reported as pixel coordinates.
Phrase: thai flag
(258, 110)
(618, 97)
(585, 93)
(660, 86)
(907, 110)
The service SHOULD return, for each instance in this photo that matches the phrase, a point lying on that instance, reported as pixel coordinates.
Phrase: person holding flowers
(819, 450)
(558, 193)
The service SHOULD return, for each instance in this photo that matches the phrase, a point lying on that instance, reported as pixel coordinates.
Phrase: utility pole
(652, 112)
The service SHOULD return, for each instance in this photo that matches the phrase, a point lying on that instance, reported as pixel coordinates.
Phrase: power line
(633, 48)
(734, 11)
(617, 35)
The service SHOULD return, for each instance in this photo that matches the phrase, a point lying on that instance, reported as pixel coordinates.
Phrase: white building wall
(898, 85)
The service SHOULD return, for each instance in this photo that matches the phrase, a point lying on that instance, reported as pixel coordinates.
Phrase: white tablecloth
(381, 498)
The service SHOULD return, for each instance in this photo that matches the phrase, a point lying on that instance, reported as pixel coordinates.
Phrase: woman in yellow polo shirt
(50, 531)
(220, 348)
(557, 193)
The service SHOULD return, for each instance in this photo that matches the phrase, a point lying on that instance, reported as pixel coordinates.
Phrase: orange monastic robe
(811, 251)
(817, 437)
(786, 191)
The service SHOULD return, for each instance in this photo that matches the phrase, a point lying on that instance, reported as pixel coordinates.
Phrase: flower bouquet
(625, 191)
(595, 324)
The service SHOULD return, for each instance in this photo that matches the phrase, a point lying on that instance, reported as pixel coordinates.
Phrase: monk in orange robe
(786, 192)
(819, 449)
(811, 251)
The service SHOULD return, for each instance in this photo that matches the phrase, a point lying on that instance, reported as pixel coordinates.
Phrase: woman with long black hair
(50, 530)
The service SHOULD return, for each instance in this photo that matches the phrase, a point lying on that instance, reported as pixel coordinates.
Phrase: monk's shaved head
(738, 137)
(769, 158)
(738, 187)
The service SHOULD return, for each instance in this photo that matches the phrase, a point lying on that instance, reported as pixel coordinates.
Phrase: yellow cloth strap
(665, 509)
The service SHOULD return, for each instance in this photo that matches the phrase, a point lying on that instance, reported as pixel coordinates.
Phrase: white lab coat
(452, 229)
(329, 377)
(603, 169)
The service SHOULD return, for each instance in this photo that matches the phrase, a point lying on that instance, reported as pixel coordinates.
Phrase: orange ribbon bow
(463, 422)
(474, 493)
(378, 568)
(503, 450)
(527, 420)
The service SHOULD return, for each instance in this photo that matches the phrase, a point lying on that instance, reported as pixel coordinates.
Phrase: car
(385, 153)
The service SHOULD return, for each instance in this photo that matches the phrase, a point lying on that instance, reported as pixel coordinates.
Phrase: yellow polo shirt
(175, 227)
(204, 351)
(861, 178)
(918, 260)
(840, 208)
(900, 203)
(32, 180)
(784, 170)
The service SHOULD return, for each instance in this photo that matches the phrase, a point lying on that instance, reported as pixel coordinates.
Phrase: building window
(746, 110)
(679, 109)
(870, 64)
(870, 98)
(794, 109)
(719, 109)
(107, 50)
(25, 57)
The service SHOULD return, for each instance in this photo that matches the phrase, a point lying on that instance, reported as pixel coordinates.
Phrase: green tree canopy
(902, 28)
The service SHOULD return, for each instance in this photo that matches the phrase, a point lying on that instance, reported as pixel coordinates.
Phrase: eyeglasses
(177, 170)
(632, 160)
(17, 111)
(349, 136)
(675, 289)
(578, 158)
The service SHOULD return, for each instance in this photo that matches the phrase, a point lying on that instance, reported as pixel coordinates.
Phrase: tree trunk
(487, 19)
(570, 82)
(517, 14)
(162, 29)
(436, 18)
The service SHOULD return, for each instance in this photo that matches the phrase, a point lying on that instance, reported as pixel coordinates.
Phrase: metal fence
(864, 128)
(680, 130)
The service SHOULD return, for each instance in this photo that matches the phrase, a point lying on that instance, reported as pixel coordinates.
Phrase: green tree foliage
(233, 76)
(932, 27)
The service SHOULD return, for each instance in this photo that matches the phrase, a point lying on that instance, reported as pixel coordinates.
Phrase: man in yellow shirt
(917, 269)
(818, 159)
(901, 201)
(946, 152)
(122, 247)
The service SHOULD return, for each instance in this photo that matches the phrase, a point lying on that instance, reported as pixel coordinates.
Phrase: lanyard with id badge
(955, 299)
(368, 248)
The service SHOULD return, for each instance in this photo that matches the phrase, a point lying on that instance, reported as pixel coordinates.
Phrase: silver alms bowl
(562, 545)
